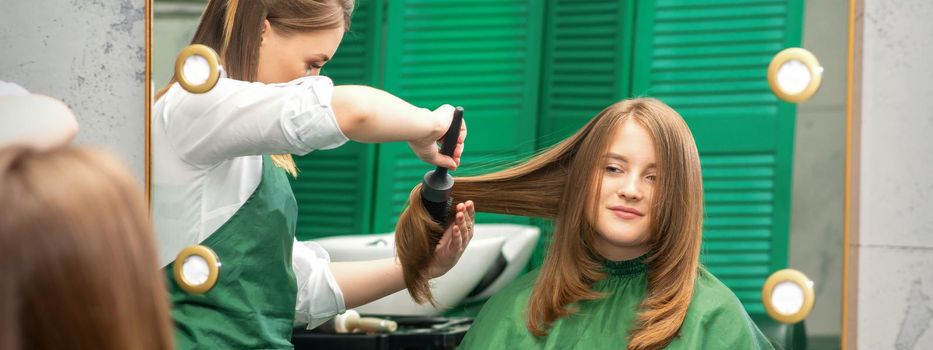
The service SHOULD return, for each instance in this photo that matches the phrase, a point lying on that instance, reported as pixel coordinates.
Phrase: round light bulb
(196, 69)
(793, 77)
(196, 270)
(787, 298)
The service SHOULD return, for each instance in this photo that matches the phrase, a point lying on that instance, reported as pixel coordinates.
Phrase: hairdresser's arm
(238, 118)
(366, 114)
(366, 281)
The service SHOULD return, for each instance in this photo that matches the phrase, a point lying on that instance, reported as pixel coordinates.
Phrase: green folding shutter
(586, 63)
(586, 67)
(334, 188)
(483, 55)
(709, 61)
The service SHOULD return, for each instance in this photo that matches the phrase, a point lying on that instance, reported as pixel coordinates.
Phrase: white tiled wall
(895, 247)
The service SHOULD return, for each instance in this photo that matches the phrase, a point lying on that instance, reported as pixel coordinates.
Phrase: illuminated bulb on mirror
(197, 68)
(794, 75)
(196, 269)
(788, 296)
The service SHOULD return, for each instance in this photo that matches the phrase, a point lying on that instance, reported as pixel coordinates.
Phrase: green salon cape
(715, 319)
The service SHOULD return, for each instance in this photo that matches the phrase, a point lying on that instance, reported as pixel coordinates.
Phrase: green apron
(252, 306)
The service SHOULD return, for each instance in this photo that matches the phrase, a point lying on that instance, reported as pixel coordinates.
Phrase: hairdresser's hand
(454, 241)
(426, 148)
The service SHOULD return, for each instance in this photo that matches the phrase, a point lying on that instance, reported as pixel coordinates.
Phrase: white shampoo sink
(497, 254)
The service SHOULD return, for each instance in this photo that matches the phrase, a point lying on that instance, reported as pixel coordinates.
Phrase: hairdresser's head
(274, 41)
(76, 255)
(644, 175)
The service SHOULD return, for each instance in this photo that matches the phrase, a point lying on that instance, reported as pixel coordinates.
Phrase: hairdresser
(220, 164)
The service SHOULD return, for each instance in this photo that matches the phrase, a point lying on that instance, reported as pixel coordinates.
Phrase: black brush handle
(453, 133)
(449, 143)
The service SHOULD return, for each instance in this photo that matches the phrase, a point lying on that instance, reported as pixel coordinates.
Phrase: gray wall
(895, 241)
(819, 159)
(90, 54)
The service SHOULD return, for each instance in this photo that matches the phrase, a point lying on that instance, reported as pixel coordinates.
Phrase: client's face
(628, 173)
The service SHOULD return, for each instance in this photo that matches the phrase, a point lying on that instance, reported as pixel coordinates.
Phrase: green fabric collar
(625, 267)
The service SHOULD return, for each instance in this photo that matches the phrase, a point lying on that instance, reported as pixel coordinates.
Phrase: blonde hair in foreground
(561, 183)
(77, 255)
(233, 28)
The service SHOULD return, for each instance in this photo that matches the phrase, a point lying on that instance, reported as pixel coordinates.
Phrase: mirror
(537, 69)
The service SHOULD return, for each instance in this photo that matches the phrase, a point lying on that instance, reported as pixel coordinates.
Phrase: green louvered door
(586, 60)
(586, 63)
(334, 187)
(709, 60)
(483, 55)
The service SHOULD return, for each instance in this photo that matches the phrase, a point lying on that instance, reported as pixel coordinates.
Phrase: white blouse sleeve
(238, 118)
(319, 296)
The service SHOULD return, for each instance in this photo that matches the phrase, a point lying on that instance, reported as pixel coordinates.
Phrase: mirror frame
(849, 328)
(849, 332)
(148, 170)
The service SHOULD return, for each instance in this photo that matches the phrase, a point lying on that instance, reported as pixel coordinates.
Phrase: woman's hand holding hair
(454, 241)
(365, 281)
(426, 147)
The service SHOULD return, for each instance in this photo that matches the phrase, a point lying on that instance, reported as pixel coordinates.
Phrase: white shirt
(207, 161)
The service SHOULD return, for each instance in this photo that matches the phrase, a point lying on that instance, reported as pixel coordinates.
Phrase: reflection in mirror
(545, 80)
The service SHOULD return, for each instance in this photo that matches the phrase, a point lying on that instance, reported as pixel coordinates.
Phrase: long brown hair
(561, 183)
(233, 29)
(77, 255)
